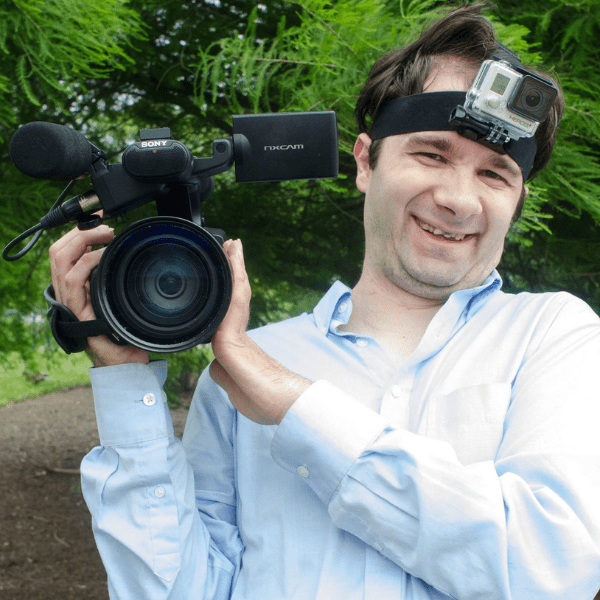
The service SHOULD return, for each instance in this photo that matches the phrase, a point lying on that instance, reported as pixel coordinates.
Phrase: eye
(431, 156)
(493, 175)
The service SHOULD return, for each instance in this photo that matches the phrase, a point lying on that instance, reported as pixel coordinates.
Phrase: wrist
(103, 353)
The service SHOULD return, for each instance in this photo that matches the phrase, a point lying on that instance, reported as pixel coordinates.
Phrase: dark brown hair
(463, 32)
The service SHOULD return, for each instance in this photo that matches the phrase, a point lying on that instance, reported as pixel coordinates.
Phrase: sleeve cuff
(131, 406)
(322, 435)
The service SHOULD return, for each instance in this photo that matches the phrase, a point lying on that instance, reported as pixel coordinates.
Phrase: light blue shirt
(470, 472)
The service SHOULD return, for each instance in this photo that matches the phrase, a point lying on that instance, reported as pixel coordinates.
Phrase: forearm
(140, 491)
(459, 528)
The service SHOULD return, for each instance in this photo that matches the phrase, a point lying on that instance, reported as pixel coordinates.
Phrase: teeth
(446, 234)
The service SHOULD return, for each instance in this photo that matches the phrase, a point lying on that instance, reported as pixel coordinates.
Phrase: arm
(139, 488)
(523, 526)
(138, 484)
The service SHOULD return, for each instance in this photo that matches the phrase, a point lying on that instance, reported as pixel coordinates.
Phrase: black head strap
(433, 111)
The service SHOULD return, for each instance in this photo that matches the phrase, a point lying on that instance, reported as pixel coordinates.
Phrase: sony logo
(153, 144)
(285, 147)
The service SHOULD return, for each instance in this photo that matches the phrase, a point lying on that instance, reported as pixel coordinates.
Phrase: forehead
(450, 73)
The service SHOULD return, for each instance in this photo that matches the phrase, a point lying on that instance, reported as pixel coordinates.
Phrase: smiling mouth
(443, 235)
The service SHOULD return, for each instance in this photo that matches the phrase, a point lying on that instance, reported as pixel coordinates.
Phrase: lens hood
(163, 284)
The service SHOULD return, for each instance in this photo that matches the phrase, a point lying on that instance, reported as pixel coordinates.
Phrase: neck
(395, 318)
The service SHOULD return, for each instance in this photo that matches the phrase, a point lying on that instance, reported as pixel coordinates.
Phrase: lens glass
(167, 282)
(163, 284)
(533, 98)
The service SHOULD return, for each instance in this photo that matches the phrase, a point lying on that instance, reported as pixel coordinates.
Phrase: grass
(63, 372)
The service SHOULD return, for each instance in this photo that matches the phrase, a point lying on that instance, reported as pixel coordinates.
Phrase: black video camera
(164, 283)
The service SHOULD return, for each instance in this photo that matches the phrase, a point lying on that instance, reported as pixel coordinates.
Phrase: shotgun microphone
(50, 151)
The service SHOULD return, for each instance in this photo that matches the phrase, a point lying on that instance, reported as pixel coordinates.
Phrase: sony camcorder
(163, 283)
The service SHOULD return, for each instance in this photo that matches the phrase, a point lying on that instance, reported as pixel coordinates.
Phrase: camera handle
(185, 199)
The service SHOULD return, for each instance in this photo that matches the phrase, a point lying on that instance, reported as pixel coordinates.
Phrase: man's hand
(257, 385)
(72, 261)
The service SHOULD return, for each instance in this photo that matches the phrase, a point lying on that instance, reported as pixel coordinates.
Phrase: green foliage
(20, 380)
(322, 62)
(190, 64)
(319, 64)
(566, 37)
(49, 43)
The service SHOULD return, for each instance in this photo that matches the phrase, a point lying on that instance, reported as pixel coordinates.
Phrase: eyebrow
(499, 162)
(443, 144)
(439, 143)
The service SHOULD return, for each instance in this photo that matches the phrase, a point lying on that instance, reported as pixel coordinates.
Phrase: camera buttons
(494, 101)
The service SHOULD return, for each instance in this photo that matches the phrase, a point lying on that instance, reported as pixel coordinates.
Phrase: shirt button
(303, 471)
(149, 399)
(361, 342)
(342, 307)
(396, 391)
(160, 492)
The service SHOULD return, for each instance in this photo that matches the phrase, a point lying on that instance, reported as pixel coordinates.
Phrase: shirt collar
(335, 307)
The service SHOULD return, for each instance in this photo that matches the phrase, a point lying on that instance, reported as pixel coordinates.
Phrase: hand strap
(71, 333)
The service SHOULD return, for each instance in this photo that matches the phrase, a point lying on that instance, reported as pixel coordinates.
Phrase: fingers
(237, 317)
(72, 262)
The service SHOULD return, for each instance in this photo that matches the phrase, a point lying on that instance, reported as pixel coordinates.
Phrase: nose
(457, 193)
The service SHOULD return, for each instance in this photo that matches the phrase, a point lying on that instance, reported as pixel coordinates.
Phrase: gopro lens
(533, 98)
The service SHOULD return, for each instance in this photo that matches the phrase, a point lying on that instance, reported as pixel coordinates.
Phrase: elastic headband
(431, 112)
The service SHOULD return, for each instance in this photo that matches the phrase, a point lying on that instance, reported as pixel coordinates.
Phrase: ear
(361, 156)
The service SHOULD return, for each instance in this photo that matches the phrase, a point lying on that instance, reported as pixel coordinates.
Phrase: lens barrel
(163, 284)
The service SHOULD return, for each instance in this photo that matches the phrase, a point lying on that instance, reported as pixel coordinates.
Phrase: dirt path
(47, 551)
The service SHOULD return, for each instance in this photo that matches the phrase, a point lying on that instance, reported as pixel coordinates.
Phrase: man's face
(437, 206)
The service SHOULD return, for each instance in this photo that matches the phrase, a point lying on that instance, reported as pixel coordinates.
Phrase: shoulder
(543, 318)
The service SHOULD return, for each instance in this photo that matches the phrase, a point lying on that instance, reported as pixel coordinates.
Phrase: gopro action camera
(511, 100)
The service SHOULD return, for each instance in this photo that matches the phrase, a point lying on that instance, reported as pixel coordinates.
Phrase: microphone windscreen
(50, 151)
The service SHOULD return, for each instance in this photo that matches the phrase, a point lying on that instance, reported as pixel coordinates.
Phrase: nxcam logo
(285, 147)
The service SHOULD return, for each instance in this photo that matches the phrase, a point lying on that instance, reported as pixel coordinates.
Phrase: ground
(47, 550)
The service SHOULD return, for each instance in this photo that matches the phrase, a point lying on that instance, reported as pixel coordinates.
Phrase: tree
(45, 46)
(565, 36)
(189, 65)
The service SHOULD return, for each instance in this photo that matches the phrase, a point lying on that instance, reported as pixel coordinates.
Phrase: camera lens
(165, 281)
(170, 284)
(163, 284)
(533, 98)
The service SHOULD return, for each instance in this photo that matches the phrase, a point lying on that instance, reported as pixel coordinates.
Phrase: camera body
(164, 283)
(513, 100)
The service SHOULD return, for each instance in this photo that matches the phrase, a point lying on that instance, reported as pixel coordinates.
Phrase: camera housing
(512, 100)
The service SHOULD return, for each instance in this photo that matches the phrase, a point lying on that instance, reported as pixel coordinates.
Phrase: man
(423, 435)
